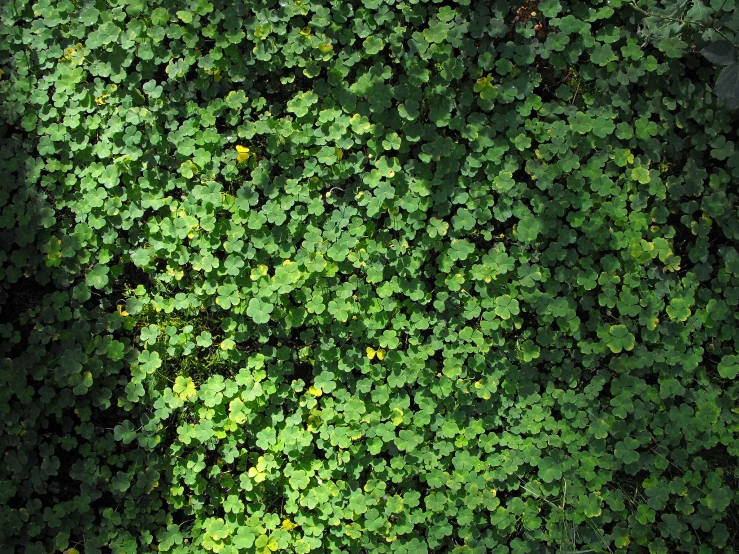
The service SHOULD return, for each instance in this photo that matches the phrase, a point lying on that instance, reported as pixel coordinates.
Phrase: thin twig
(682, 21)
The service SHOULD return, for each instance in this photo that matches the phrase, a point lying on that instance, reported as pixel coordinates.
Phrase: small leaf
(185, 16)
(728, 368)
(641, 174)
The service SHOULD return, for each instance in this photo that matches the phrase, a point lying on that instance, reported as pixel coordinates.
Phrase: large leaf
(727, 86)
(720, 53)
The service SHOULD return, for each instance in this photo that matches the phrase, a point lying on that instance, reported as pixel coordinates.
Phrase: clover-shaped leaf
(204, 339)
(149, 334)
(506, 306)
(98, 276)
(549, 470)
(184, 387)
(728, 367)
(528, 229)
(300, 104)
(228, 295)
(678, 309)
(619, 338)
(125, 432)
(259, 310)
(373, 45)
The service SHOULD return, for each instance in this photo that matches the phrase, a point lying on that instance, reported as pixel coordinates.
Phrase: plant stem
(683, 21)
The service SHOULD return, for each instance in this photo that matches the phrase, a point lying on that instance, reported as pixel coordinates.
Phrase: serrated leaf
(721, 52)
(727, 86)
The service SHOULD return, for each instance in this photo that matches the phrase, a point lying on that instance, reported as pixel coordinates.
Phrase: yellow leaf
(315, 392)
(381, 354)
(121, 311)
(371, 352)
(243, 153)
(288, 525)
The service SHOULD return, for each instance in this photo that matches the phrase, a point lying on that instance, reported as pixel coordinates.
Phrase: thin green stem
(682, 21)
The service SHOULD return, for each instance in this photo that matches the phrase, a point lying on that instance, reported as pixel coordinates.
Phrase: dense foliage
(368, 276)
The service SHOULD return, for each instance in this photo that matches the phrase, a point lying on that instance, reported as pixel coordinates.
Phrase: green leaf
(728, 368)
(204, 339)
(699, 13)
(97, 277)
(149, 334)
(228, 296)
(528, 229)
(141, 257)
(301, 103)
(530, 351)
(727, 86)
(233, 504)
(125, 432)
(159, 16)
(719, 499)
(720, 53)
(89, 16)
(549, 470)
(259, 310)
(620, 339)
(373, 45)
(243, 539)
(506, 306)
(550, 8)
(641, 174)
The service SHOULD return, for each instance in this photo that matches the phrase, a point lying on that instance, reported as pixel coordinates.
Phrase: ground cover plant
(368, 276)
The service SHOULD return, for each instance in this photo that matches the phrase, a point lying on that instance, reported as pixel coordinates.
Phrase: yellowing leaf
(243, 153)
(288, 525)
(315, 392)
(371, 353)
(121, 311)
(228, 344)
